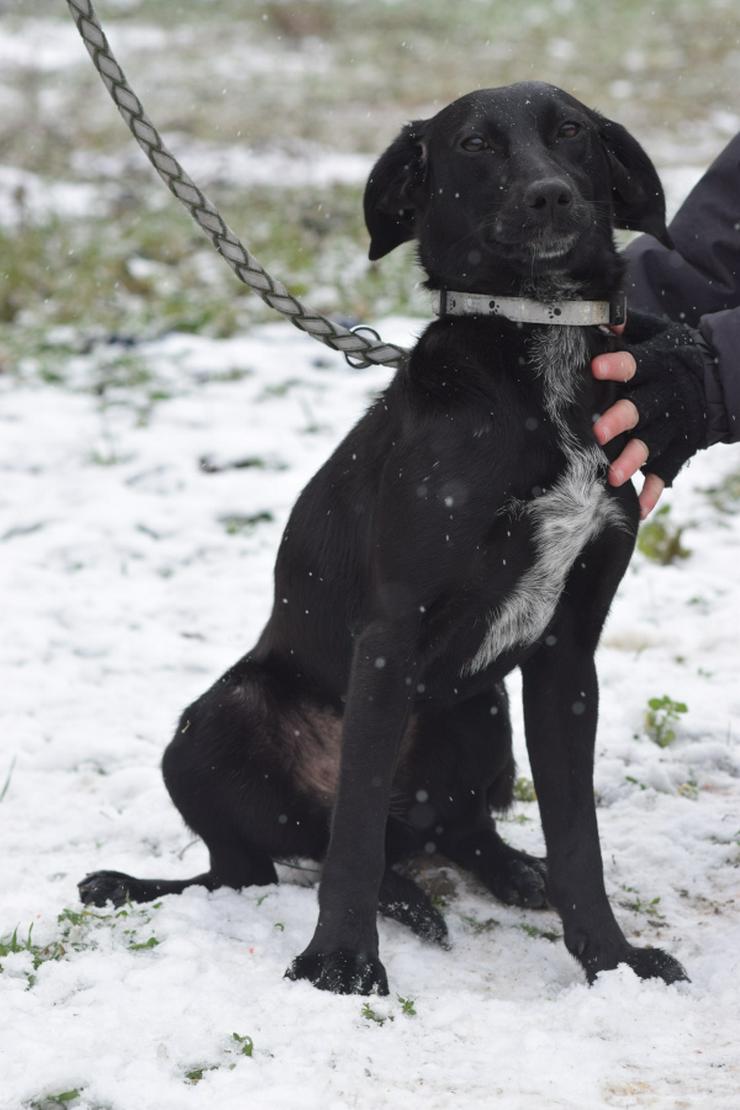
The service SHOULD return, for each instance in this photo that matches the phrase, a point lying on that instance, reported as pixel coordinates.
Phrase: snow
(50, 45)
(131, 577)
(305, 164)
(41, 44)
(125, 596)
(25, 195)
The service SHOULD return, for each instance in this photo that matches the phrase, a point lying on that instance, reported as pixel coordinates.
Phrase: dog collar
(524, 310)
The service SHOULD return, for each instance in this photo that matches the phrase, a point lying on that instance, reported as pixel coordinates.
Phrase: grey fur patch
(564, 519)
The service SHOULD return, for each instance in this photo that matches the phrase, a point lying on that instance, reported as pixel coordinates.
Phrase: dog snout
(549, 196)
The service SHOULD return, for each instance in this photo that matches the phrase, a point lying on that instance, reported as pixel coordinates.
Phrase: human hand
(620, 366)
(666, 405)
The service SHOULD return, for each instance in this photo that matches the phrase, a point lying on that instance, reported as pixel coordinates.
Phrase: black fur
(353, 731)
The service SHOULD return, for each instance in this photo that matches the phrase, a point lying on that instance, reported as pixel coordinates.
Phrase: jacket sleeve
(698, 282)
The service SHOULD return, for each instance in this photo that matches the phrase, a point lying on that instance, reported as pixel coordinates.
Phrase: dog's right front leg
(343, 954)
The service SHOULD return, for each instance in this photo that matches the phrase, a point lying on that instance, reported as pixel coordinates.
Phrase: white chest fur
(564, 518)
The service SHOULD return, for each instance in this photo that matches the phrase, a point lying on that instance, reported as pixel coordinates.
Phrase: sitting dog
(464, 527)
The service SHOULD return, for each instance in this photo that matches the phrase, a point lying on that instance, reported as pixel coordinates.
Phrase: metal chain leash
(359, 349)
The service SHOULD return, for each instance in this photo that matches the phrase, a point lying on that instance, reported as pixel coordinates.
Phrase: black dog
(463, 528)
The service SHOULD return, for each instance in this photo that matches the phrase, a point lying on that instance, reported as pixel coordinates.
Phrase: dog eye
(474, 143)
(569, 130)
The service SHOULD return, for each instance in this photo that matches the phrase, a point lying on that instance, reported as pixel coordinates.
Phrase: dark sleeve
(721, 332)
(698, 282)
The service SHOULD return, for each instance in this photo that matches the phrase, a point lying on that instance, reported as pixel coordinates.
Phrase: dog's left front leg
(560, 712)
(343, 954)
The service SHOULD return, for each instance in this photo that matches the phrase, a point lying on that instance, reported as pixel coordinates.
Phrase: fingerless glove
(668, 392)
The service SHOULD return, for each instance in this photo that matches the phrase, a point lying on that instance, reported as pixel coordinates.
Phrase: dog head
(509, 188)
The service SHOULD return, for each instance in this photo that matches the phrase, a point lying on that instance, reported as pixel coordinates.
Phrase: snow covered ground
(132, 576)
(142, 494)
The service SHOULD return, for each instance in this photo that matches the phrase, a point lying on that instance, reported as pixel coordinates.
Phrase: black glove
(668, 393)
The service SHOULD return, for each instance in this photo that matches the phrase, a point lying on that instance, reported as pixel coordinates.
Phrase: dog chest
(563, 519)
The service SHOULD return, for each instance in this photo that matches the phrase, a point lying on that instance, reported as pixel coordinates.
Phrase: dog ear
(637, 194)
(391, 193)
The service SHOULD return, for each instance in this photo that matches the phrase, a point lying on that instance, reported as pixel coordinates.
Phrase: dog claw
(342, 972)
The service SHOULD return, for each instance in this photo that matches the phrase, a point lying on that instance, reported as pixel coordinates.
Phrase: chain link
(361, 349)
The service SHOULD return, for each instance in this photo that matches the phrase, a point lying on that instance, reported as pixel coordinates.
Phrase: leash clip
(618, 309)
(357, 361)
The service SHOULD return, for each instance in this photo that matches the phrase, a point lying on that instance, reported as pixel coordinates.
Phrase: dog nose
(548, 195)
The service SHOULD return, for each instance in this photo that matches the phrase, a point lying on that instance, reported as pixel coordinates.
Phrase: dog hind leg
(244, 868)
(513, 877)
(223, 774)
(402, 900)
(467, 754)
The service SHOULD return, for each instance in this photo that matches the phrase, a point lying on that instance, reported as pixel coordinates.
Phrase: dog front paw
(342, 971)
(647, 963)
(654, 963)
